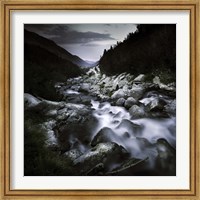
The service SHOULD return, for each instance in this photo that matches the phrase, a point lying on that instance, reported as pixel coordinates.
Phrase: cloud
(64, 34)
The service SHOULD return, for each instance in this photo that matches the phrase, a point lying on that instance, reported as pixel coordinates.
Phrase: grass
(39, 160)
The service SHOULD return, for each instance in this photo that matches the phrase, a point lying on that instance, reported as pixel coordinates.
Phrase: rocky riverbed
(111, 125)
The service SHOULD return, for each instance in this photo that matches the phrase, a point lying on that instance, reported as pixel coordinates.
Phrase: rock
(72, 154)
(137, 92)
(140, 78)
(165, 150)
(156, 104)
(129, 102)
(137, 112)
(30, 101)
(127, 167)
(85, 87)
(171, 107)
(156, 80)
(78, 123)
(169, 87)
(120, 102)
(104, 135)
(131, 127)
(118, 94)
(166, 159)
(106, 153)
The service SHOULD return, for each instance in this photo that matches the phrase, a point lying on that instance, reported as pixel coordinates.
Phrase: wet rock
(120, 102)
(78, 123)
(85, 87)
(72, 154)
(166, 159)
(131, 127)
(165, 150)
(129, 102)
(140, 78)
(30, 101)
(156, 104)
(137, 92)
(169, 87)
(171, 107)
(137, 112)
(104, 135)
(106, 153)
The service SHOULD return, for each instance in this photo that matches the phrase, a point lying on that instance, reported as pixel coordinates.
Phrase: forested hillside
(151, 49)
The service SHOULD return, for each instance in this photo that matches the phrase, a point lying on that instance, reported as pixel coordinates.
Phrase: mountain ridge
(36, 39)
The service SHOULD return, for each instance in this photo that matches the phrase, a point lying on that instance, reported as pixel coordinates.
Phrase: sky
(87, 41)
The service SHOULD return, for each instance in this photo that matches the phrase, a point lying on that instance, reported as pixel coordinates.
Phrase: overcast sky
(87, 41)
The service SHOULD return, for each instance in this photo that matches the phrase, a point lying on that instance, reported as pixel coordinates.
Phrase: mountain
(51, 46)
(151, 50)
(45, 64)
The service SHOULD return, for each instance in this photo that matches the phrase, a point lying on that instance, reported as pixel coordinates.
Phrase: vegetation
(151, 49)
(38, 159)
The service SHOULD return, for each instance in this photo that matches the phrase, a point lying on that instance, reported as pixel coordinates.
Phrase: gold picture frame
(7, 6)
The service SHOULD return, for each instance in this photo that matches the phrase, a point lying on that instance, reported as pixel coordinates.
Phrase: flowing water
(139, 142)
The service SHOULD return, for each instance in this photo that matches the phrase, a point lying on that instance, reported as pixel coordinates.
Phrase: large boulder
(137, 112)
(107, 153)
(75, 123)
(104, 135)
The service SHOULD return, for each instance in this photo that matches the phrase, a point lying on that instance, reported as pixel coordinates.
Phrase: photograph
(100, 99)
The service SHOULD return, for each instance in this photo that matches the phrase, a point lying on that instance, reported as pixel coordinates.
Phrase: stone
(107, 153)
(72, 154)
(171, 108)
(120, 102)
(104, 135)
(30, 101)
(156, 104)
(166, 159)
(137, 112)
(129, 102)
(137, 92)
(118, 94)
(140, 78)
(85, 87)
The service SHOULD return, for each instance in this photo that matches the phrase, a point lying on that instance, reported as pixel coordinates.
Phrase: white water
(140, 144)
